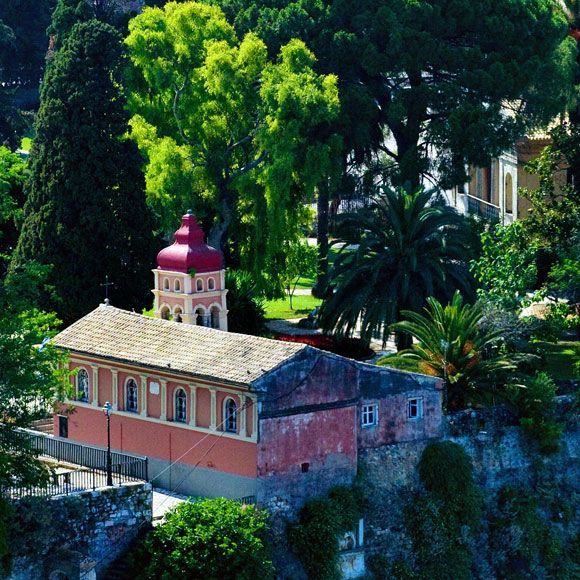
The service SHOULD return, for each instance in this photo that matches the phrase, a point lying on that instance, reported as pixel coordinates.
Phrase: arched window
(215, 317)
(200, 317)
(82, 385)
(177, 286)
(509, 193)
(164, 312)
(131, 396)
(165, 284)
(177, 314)
(230, 416)
(199, 285)
(180, 406)
(211, 284)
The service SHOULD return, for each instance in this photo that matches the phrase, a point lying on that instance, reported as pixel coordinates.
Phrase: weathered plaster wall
(78, 533)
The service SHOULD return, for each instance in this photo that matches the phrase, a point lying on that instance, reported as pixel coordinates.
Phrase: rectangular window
(415, 408)
(62, 426)
(370, 415)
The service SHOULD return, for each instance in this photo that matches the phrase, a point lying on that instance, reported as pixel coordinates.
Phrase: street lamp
(108, 409)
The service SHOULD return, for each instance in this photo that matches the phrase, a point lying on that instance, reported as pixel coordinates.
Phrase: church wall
(153, 401)
(203, 407)
(165, 441)
(105, 386)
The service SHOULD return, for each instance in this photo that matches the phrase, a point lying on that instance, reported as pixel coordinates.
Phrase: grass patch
(303, 305)
(559, 360)
(401, 363)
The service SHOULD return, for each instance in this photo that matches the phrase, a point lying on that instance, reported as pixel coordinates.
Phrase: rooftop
(127, 337)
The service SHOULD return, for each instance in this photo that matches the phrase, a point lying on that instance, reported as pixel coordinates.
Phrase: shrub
(535, 404)
(440, 519)
(314, 539)
(211, 538)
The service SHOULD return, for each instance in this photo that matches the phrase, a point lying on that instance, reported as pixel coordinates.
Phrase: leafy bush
(246, 312)
(535, 403)
(211, 539)
(314, 539)
(440, 519)
(524, 544)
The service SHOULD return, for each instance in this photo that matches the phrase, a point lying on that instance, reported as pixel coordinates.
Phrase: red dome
(189, 250)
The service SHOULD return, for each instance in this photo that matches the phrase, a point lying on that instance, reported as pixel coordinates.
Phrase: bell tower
(190, 279)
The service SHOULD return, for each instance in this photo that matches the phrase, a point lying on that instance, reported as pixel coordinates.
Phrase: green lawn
(303, 305)
(559, 359)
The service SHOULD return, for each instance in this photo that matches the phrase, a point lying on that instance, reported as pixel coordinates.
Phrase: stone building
(225, 414)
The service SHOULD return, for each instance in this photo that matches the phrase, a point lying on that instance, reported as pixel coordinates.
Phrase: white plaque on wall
(154, 388)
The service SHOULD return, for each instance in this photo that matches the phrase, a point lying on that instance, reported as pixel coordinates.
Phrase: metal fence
(93, 461)
(482, 208)
(130, 467)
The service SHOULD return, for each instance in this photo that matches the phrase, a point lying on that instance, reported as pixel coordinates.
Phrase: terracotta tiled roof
(122, 336)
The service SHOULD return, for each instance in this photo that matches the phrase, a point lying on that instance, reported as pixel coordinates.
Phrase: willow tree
(242, 138)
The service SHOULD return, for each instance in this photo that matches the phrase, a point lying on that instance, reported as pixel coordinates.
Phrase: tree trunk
(218, 234)
(320, 289)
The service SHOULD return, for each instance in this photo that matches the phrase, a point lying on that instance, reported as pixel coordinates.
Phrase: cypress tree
(85, 213)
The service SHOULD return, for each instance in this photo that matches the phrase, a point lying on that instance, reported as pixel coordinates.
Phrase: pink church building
(225, 414)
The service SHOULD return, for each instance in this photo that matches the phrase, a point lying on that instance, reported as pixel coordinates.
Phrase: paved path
(164, 500)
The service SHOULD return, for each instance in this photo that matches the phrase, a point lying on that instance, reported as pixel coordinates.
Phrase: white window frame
(182, 419)
(227, 417)
(85, 397)
(127, 382)
(210, 284)
(199, 285)
(177, 285)
(369, 416)
(417, 404)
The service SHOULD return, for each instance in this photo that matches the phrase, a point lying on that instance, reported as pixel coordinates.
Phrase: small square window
(369, 415)
(415, 408)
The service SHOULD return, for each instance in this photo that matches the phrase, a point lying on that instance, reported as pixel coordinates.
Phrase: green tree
(210, 538)
(242, 138)
(428, 74)
(12, 177)
(507, 267)
(300, 261)
(246, 311)
(85, 213)
(451, 345)
(408, 247)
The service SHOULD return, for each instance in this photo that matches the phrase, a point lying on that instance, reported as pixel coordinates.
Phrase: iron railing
(482, 208)
(92, 461)
(130, 467)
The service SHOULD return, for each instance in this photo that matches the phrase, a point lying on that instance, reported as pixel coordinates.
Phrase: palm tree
(409, 245)
(452, 346)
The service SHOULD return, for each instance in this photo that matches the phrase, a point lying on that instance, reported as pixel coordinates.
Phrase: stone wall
(78, 535)
(500, 455)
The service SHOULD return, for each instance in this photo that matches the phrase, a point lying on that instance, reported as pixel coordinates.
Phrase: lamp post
(108, 409)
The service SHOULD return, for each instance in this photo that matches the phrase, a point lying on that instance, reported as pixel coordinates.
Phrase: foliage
(402, 363)
(553, 220)
(408, 247)
(524, 544)
(506, 269)
(210, 538)
(246, 313)
(440, 519)
(432, 73)
(564, 276)
(314, 539)
(452, 346)
(301, 260)
(535, 403)
(241, 138)
(85, 213)
(12, 178)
